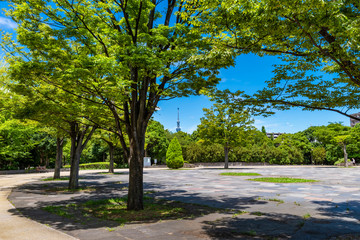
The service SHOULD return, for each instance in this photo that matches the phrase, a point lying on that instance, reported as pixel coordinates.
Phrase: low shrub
(341, 161)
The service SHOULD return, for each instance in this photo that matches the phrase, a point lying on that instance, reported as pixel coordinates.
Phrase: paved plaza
(328, 209)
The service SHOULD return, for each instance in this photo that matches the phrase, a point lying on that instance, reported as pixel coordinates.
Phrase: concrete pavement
(328, 209)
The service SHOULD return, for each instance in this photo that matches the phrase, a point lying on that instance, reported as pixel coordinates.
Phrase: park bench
(41, 169)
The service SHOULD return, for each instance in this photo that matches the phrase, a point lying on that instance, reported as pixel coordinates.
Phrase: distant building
(353, 122)
(178, 129)
(274, 135)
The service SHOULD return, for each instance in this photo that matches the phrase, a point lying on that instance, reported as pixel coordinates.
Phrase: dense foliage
(315, 145)
(25, 144)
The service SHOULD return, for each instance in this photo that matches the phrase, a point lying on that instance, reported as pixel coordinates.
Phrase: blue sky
(248, 75)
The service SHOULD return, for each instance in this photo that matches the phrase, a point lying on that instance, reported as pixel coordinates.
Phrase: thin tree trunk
(77, 146)
(59, 155)
(226, 151)
(345, 155)
(41, 158)
(46, 161)
(111, 154)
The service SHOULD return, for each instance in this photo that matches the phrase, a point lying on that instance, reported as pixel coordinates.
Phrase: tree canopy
(124, 55)
(316, 40)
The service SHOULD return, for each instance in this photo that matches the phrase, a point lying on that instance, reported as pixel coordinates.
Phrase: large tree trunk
(111, 154)
(135, 193)
(226, 151)
(345, 155)
(75, 154)
(59, 155)
(74, 169)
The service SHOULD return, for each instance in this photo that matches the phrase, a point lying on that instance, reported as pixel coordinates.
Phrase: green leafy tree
(297, 146)
(156, 141)
(174, 157)
(318, 155)
(263, 130)
(343, 140)
(309, 36)
(52, 107)
(124, 55)
(224, 124)
(111, 139)
(333, 135)
(16, 143)
(354, 143)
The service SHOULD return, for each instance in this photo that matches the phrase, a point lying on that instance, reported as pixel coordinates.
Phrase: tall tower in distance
(178, 129)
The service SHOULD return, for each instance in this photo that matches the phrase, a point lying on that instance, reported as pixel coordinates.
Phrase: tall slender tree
(224, 123)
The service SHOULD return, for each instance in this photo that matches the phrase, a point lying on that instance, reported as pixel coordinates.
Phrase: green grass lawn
(66, 190)
(239, 174)
(282, 180)
(115, 173)
(174, 169)
(57, 179)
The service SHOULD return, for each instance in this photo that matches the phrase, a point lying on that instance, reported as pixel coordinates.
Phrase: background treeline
(25, 144)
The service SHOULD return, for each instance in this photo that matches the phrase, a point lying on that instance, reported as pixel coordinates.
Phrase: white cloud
(7, 23)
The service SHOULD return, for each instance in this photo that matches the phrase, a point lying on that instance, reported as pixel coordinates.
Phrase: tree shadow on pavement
(348, 209)
(30, 201)
(340, 221)
(339, 218)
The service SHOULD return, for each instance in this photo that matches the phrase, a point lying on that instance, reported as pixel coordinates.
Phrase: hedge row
(94, 165)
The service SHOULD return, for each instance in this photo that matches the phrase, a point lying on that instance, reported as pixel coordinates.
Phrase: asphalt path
(15, 226)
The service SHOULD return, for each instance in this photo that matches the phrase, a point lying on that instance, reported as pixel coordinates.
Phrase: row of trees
(26, 143)
(81, 66)
(315, 145)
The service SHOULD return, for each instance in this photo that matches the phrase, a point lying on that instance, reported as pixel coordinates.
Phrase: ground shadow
(340, 218)
(280, 226)
(348, 209)
(31, 199)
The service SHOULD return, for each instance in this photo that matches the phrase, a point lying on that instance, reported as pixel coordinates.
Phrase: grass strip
(55, 179)
(66, 190)
(282, 180)
(239, 174)
(115, 173)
